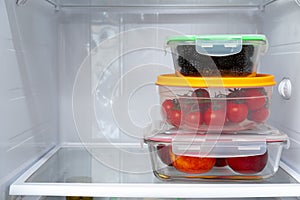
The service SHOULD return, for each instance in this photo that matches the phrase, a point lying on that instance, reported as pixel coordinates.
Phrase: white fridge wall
(116, 55)
(282, 27)
(28, 86)
(101, 66)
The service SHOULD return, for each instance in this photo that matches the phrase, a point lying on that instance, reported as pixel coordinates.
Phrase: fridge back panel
(110, 58)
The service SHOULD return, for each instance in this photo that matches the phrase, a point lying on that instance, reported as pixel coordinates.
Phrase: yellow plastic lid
(260, 80)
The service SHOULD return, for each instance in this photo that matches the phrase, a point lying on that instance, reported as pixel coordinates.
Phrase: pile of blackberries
(191, 63)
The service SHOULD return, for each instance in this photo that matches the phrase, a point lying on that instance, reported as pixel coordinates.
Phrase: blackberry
(189, 52)
(248, 68)
(249, 50)
(241, 60)
(184, 71)
(197, 56)
(225, 62)
(180, 50)
(185, 50)
(181, 60)
(225, 72)
(185, 63)
(189, 72)
(194, 64)
(242, 71)
(205, 62)
(238, 70)
(207, 71)
(187, 68)
(195, 74)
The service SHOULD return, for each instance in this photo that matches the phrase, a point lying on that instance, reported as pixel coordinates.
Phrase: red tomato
(196, 108)
(214, 117)
(236, 93)
(236, 112)
(204, 98)
(193, 119)
(186, 107)
(258, 98)
(259, 116)
(174, 118)
(167, 107)
(186, 103)
(218, 104)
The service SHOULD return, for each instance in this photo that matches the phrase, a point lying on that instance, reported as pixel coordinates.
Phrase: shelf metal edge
(158, 190)
(197, 6)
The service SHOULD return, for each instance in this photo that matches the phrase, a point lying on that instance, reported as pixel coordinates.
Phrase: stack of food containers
(217, 106)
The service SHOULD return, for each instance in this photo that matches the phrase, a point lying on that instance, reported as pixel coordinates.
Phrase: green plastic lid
(220, 45)
(225, 37)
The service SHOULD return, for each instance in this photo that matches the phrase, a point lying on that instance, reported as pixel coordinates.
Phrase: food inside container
(249, 155)
(215, 103)
(217, 55)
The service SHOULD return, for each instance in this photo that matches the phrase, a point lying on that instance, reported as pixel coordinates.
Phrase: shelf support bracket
(267, 3)
(21, 2)
(53, 3)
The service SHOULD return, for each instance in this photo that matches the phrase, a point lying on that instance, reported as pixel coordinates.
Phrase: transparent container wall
(215, 109)
(169, 166)
(193, 59)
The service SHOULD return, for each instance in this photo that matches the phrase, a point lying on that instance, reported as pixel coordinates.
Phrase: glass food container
(183, 155)
(210, 104)
(217, 55)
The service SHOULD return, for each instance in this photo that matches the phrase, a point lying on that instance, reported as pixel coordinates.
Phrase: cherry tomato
(186, 104)
(196, 108)
(218, 104)
(236, 93)
(259, 116)
(236, 112)
(214, 117)
(167, 107)
(174, 118)
(200, 93)
(204, 98)
(256, 98)
(193, 119)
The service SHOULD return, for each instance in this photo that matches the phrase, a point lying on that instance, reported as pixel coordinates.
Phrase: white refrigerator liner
(283, 49)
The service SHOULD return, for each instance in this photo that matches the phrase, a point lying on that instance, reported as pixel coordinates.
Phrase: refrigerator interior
(82, 73)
